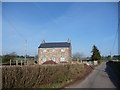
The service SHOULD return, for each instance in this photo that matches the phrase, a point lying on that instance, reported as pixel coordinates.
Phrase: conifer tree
(95, 53)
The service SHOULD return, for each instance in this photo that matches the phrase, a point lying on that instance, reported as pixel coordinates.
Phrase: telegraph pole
(119, 28)
(25, 50)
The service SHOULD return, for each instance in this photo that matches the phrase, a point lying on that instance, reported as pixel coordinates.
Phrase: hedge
(36, 76)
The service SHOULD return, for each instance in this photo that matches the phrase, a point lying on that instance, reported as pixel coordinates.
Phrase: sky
(0, 29)
(84, 23)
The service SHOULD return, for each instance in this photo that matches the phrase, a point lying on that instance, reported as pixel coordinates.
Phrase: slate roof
(55, 45)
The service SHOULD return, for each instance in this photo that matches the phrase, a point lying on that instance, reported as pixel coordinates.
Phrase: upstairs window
(44, 50)
(53, 50)
(62, 50)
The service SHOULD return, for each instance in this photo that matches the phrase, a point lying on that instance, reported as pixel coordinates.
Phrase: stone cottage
(58, 52)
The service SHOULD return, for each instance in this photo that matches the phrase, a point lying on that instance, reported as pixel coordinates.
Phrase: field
(30, 61)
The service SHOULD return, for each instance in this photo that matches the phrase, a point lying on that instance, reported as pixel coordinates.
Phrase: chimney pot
(43, 41)
(69, 41)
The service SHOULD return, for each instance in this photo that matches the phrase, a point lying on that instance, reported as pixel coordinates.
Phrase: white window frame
(44, 50)
(53, 50)
(53, 59)
(62, 50)
(44, 59)
(62, 59)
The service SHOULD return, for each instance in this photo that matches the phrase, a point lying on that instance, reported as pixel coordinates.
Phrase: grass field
(30, 61)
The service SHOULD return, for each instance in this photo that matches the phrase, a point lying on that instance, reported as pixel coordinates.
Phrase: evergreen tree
(95, 53)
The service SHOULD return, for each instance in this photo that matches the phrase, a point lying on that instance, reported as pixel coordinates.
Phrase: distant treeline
(13, 56)
(27, 56)
(115, 57)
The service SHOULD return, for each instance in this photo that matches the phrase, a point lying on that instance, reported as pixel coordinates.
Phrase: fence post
(10, 62)
(26, 62)
(16, 62)
(21, 62)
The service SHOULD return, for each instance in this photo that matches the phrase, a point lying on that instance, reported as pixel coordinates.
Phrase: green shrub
(7, 58)
(36, 76)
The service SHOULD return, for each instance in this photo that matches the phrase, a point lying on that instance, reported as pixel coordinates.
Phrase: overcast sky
(85, 24)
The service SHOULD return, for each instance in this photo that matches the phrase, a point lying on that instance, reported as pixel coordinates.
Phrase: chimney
(69, 41)
(43, 41)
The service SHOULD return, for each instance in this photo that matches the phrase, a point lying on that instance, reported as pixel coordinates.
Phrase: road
(99, 78)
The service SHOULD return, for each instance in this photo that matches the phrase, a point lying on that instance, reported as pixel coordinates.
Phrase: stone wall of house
(57, 53)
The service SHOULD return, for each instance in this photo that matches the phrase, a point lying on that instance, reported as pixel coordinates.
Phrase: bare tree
(13, 54)
(78, 55)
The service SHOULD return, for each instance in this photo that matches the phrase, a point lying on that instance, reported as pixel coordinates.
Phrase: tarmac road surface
(98, 78)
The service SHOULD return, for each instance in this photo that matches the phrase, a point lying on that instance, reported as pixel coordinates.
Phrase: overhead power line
(117, 31)
(15, 29)
(119, 28)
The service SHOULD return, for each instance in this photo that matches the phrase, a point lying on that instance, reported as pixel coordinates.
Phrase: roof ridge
(56, 42)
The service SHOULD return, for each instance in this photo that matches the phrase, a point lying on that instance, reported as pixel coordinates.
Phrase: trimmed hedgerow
(36, 76)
